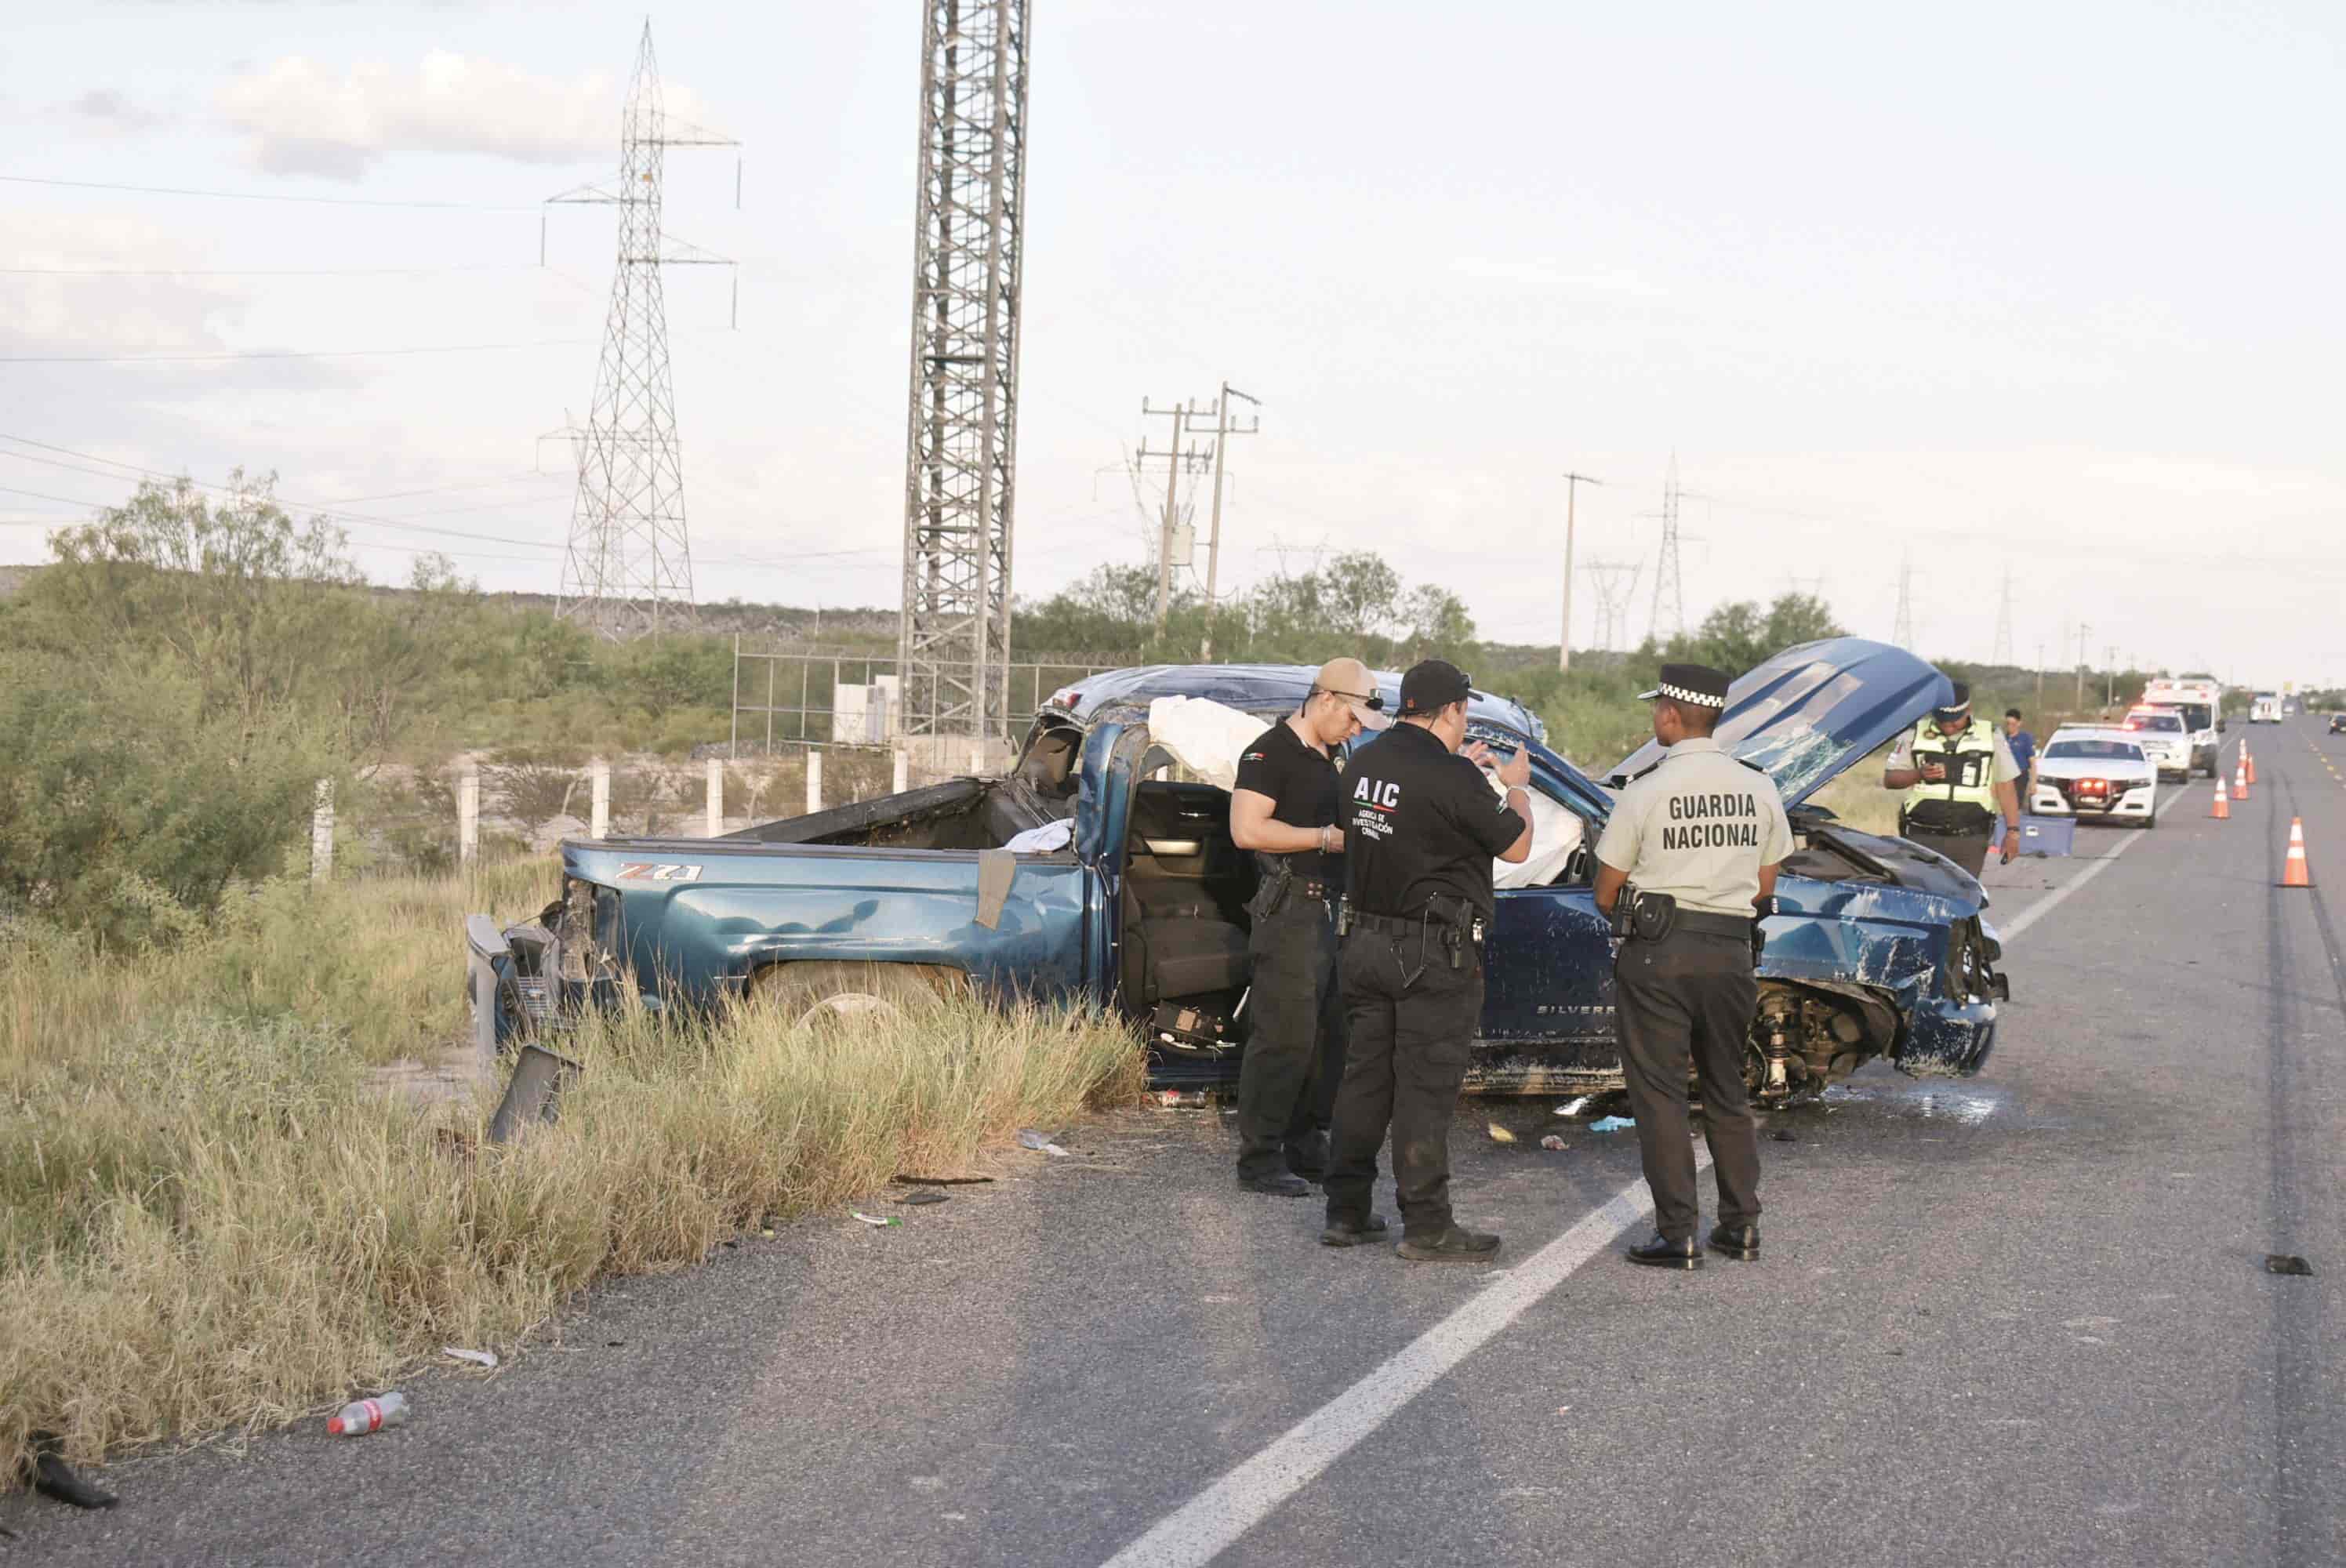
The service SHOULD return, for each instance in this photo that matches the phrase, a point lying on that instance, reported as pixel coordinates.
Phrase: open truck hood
(1810, 712)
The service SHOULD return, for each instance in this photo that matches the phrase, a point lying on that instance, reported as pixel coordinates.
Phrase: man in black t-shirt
(1283, 808)
(1420, 829)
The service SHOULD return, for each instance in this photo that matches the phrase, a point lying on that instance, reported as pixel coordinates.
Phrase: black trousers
(1968, 850)
(1295, 1048)
(1409, 1019)
(1690, 995)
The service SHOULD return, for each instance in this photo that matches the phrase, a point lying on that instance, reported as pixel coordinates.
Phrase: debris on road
(478, 1358)
(1029, 1139)
(1611, 1124)
(1499, 1135)
(1179, 1099)
(916, 1199)
(1784, 1137)
(53, 1477)
(2285, 1263)
(880, 1221)
(939, 1181)
(360, 1417)
(1554, 1143)
(1575, 1105)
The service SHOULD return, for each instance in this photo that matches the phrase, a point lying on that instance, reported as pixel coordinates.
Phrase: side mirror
(2221, 725)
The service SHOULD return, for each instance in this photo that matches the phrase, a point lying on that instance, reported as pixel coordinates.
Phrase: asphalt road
(2017, 1320)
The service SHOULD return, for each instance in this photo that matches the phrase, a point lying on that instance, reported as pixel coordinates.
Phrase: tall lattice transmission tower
(1616, 585)
(2003, 656)
(1901, 632)
(628, 568)
(954, 642)
(1668, 617)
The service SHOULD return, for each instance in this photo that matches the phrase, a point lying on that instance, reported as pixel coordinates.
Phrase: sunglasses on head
(1374, 701)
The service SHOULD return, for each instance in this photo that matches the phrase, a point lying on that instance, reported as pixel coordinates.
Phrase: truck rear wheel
(812, 993)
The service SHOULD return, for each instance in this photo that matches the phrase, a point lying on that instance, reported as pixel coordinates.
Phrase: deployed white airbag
(1205, 737)
(1556, 833)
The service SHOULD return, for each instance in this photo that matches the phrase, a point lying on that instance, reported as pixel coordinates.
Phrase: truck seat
(1192, 955)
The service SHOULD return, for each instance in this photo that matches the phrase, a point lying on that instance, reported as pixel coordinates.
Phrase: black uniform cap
(1698, 684)
(1433, 685)
(1960, 708)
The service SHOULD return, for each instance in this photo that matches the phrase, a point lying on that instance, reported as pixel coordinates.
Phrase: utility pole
(1168, 522)
(952, 643)
(627, 568)
(2002, 656)
(1223, 431)
(2040, 682)
(2110, 660)
(1670, 588)
(2082, 630)
(1616, 583)
(1572, 484)
(1902, 633)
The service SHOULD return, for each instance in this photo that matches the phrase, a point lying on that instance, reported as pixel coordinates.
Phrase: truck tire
(811, 993)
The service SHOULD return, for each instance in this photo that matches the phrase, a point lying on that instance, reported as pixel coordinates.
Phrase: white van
(2266, 710)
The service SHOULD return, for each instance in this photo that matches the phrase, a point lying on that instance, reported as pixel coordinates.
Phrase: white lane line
(1195, 1533)
(1199, 1530)
(2045, 905)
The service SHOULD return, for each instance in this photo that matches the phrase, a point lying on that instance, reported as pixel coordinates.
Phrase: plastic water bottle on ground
(360, 1417)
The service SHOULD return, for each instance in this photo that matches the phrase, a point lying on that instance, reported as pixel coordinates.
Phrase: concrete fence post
(814, 780)
(716, 798)
(904, 779)
(468, 816)
(598, 822)
(321, 833)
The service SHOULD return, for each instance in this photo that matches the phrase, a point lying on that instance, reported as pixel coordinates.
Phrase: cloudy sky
(2050, 289)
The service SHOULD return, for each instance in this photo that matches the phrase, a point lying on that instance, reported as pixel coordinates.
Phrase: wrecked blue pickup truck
(1101, 869)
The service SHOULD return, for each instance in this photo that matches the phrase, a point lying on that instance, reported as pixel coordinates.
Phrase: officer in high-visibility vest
(1957, 774)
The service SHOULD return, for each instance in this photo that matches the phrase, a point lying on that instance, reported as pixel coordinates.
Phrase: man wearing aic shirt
(1698, 837)
(1283, 808)
(1421, 828)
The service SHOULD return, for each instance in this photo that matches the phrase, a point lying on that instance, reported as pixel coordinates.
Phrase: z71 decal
(656, 871)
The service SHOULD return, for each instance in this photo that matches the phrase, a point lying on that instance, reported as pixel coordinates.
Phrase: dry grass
(210, 1220)
(1858, 800)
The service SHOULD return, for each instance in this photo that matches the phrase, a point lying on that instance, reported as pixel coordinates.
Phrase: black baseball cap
(1698, 684)
(1432, 685)
(1959, 707)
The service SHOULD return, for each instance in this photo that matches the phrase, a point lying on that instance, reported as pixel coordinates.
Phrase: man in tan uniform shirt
(1704, 830)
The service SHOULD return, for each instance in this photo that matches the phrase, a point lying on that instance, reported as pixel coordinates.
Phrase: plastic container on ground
(360, 1417)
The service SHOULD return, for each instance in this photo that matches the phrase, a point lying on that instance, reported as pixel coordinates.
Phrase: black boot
(1278, 1184)
(1738, 1241)
(1352, 1232)
(1455, 1245)
(1306, 1157)
(1663, 1253)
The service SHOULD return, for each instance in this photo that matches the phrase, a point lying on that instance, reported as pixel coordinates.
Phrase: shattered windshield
(1788, 739)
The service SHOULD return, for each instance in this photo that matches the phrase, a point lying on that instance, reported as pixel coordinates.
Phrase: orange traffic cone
(2248, 757)
(2240, 778)
(2222, 809)
(2292, 870)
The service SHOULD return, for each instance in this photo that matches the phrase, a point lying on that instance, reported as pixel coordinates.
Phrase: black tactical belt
(1392, 925)
(1707, 924)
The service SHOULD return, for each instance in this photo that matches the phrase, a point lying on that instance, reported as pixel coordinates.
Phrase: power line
(331, 510)
(262, 272)
(258, 195)
(285, 353)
